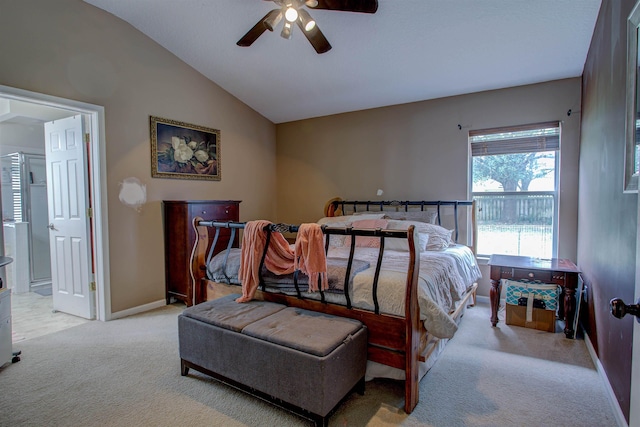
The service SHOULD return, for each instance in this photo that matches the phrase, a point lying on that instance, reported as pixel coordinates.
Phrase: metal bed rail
(328, 231)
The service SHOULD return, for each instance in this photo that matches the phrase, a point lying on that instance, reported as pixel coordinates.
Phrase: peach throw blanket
(308, 256)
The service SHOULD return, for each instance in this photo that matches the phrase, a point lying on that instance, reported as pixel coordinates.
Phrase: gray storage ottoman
(301, 360)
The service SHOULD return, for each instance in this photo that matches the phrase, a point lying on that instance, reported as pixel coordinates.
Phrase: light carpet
(126, 372)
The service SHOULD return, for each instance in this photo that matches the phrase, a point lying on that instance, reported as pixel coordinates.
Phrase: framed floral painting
(184, 151)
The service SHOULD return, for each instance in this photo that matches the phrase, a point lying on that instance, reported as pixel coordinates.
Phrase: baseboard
(139, 309)
(617, 411)
(483, 299)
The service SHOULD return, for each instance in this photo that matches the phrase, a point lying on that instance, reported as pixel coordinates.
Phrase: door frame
(634, 393)
(97, 184)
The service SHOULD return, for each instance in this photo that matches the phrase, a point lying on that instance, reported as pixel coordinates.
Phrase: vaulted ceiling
(409, 50)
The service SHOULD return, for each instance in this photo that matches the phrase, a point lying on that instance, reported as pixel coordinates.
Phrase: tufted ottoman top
(226, 313)
(308, 331)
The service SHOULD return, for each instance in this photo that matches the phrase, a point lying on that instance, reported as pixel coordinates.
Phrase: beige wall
(73, 50)
(417, 152)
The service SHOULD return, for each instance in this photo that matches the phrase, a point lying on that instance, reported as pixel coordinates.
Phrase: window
(514, 180)
(12, 188)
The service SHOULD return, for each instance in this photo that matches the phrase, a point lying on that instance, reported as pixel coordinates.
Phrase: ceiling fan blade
(362, 6)
(257, 30)
(316, 38)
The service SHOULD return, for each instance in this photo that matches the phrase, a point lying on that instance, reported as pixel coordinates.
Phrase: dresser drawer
(543, 276)
(215, 212)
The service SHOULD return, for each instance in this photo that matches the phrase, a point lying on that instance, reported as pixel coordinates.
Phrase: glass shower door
(36, 177)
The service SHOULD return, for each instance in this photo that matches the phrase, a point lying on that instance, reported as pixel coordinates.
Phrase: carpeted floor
(127, 373)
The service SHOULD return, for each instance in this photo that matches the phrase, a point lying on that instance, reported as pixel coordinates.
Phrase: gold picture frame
(184, 151)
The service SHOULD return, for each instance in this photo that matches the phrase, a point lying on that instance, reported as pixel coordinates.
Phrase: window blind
(16, 186)
(515, 139)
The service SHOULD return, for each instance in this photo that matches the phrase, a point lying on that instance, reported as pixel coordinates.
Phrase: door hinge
(89, 213)
(87, 138)
(92, 286)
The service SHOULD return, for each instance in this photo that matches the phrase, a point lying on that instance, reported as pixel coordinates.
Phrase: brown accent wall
(607, 219)
(70, 49)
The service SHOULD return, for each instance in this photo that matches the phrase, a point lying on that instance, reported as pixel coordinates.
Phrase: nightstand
(558, 271)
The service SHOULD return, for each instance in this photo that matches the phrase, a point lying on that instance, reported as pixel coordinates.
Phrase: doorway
(94, 116)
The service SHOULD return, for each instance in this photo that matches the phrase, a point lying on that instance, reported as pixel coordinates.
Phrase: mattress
(444, 277)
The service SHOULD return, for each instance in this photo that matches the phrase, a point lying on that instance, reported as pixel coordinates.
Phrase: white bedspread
(443, 279)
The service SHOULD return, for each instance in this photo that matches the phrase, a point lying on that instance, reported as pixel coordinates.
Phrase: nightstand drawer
(541, 275)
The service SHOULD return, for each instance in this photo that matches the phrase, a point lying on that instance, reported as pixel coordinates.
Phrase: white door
(68, 203)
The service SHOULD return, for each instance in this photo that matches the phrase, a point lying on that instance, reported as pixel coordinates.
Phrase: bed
(407, 270)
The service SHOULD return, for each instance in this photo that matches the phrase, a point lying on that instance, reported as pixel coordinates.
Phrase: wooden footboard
(393, 340)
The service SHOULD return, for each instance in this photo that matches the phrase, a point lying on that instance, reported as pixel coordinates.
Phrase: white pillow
(360, 213)
(429, 216)
(365, 241)
(337, 241)
(349, 218)
(438, 237)
(402, 244)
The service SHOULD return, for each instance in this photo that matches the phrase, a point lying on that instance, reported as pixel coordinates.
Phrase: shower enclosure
(24, 206)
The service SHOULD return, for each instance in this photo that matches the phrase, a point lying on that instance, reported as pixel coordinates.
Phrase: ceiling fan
(294, 12)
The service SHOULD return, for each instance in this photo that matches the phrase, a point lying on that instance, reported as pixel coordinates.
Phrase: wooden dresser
(179, 238)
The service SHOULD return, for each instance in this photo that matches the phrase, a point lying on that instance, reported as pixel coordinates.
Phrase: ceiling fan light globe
(272, 21)
(286, 30)
(306, 20)
(291, 14)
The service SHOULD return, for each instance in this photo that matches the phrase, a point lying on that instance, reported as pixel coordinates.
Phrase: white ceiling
(409, 50)
(28, 114)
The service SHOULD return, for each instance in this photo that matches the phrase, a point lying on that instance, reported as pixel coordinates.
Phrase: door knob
(619, 309)
(51, 227)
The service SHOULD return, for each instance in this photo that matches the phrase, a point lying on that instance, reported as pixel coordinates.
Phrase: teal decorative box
(547, 293)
